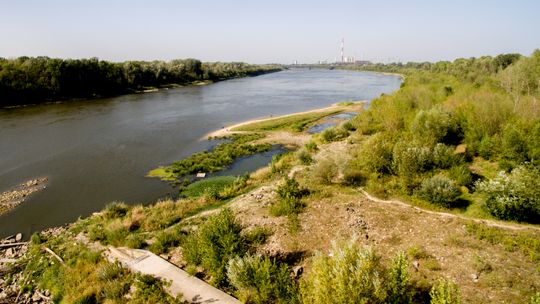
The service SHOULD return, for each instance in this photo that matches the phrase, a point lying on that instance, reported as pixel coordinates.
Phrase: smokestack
(342, 49)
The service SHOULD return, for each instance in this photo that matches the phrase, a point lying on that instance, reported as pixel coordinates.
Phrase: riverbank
(14, 197)
(285, 119)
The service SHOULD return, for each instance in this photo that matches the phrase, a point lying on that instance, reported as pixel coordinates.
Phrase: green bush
(436, 126)
(209, 186)
(445, 292)
(217, 241)
(443, 156)
(399, 289)
(411, 158)
(376, 155)
(514, 196)
(290, 195)
(311, 146)
(261, 280)
(165, 240)
(334, 134)
(535, 299)
(350, 274)
(514, 144)
(115, 210)
(304, 157)
(462, 175)
(439, 190)
(324, 171)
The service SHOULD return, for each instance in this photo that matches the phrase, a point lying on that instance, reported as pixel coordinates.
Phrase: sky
(276, 31)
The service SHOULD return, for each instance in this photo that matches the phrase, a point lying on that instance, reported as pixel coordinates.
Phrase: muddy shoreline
(19, 194)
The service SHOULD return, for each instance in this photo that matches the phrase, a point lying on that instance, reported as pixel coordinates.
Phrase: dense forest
(462, 134)
(30, 80)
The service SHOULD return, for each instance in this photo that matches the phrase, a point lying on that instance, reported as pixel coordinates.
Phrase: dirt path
(18, 195)
(490, 223)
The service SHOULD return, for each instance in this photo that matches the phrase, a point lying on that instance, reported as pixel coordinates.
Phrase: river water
(95, 152)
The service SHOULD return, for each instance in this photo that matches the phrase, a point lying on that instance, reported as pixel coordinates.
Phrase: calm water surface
(99, 151)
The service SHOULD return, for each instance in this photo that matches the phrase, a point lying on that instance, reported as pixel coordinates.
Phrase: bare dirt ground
(437, 243)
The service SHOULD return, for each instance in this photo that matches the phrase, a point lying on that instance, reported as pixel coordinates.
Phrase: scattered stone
(416, 265)
(474, 277)
(18, 237)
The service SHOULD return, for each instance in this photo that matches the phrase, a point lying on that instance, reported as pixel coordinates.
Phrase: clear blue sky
(271, 31)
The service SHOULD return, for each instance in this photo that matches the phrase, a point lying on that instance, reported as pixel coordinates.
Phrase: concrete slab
(191, 288)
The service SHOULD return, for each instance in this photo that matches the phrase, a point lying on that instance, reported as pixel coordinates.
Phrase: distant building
(362, 62)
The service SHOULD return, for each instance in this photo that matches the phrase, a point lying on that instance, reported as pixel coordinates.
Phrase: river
(95, 152)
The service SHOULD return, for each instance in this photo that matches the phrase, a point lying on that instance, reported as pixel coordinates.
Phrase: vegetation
(86, 277)
(350, 274)
(261, 280)
(445, 292)
(210, 186)
(30, 80)
(295, 123)
(447, 118)
(222, 155)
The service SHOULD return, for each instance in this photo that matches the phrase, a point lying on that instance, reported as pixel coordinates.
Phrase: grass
(214, 160)
(210, 186)
(295, 123)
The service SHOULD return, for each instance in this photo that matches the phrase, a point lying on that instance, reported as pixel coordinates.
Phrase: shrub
(443, 156)
(535, 299)
(514, 196)
(398, 280)
(436, 125)
(411, 158)
(329, 135)
(115, 210)
(462, 175)
(209, 186)
(311, 146)
(514, 144)
(261, 280)
(165, 240)
(217, 241)
(324, 171)
(290, 188)
(258, 236)
(347, 275)
(376, 154)
(304, 157)
(439, 190)
(290, 195)
(445, 292)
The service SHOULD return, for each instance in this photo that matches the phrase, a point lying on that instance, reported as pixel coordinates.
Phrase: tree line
(31, 80)
(459, 134)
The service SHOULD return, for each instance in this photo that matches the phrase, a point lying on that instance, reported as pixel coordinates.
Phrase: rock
(474, 277)
(36, 297)
(18, 237)
(416, 265)
(297, 271)
(9, 252)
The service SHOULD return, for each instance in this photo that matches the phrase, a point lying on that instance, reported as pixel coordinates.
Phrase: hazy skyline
(274, 31)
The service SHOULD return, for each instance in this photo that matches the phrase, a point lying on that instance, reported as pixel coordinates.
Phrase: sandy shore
(225, 131)
(18, 195)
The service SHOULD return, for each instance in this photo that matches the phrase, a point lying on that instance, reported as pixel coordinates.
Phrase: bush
(115, 210)
(334, 134)
(398, 280)
(209, 186)
(436, 125)
(290, 195)
(411, 158)
(376, 154)
(445, 292)
(462, 175)
(350, 274)
(324, 171)
(261, 280)
(347, 275)
(217, 241)
(311, 146)
(514, 196)
(443, 156)
(304, 157)
(439, 190)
